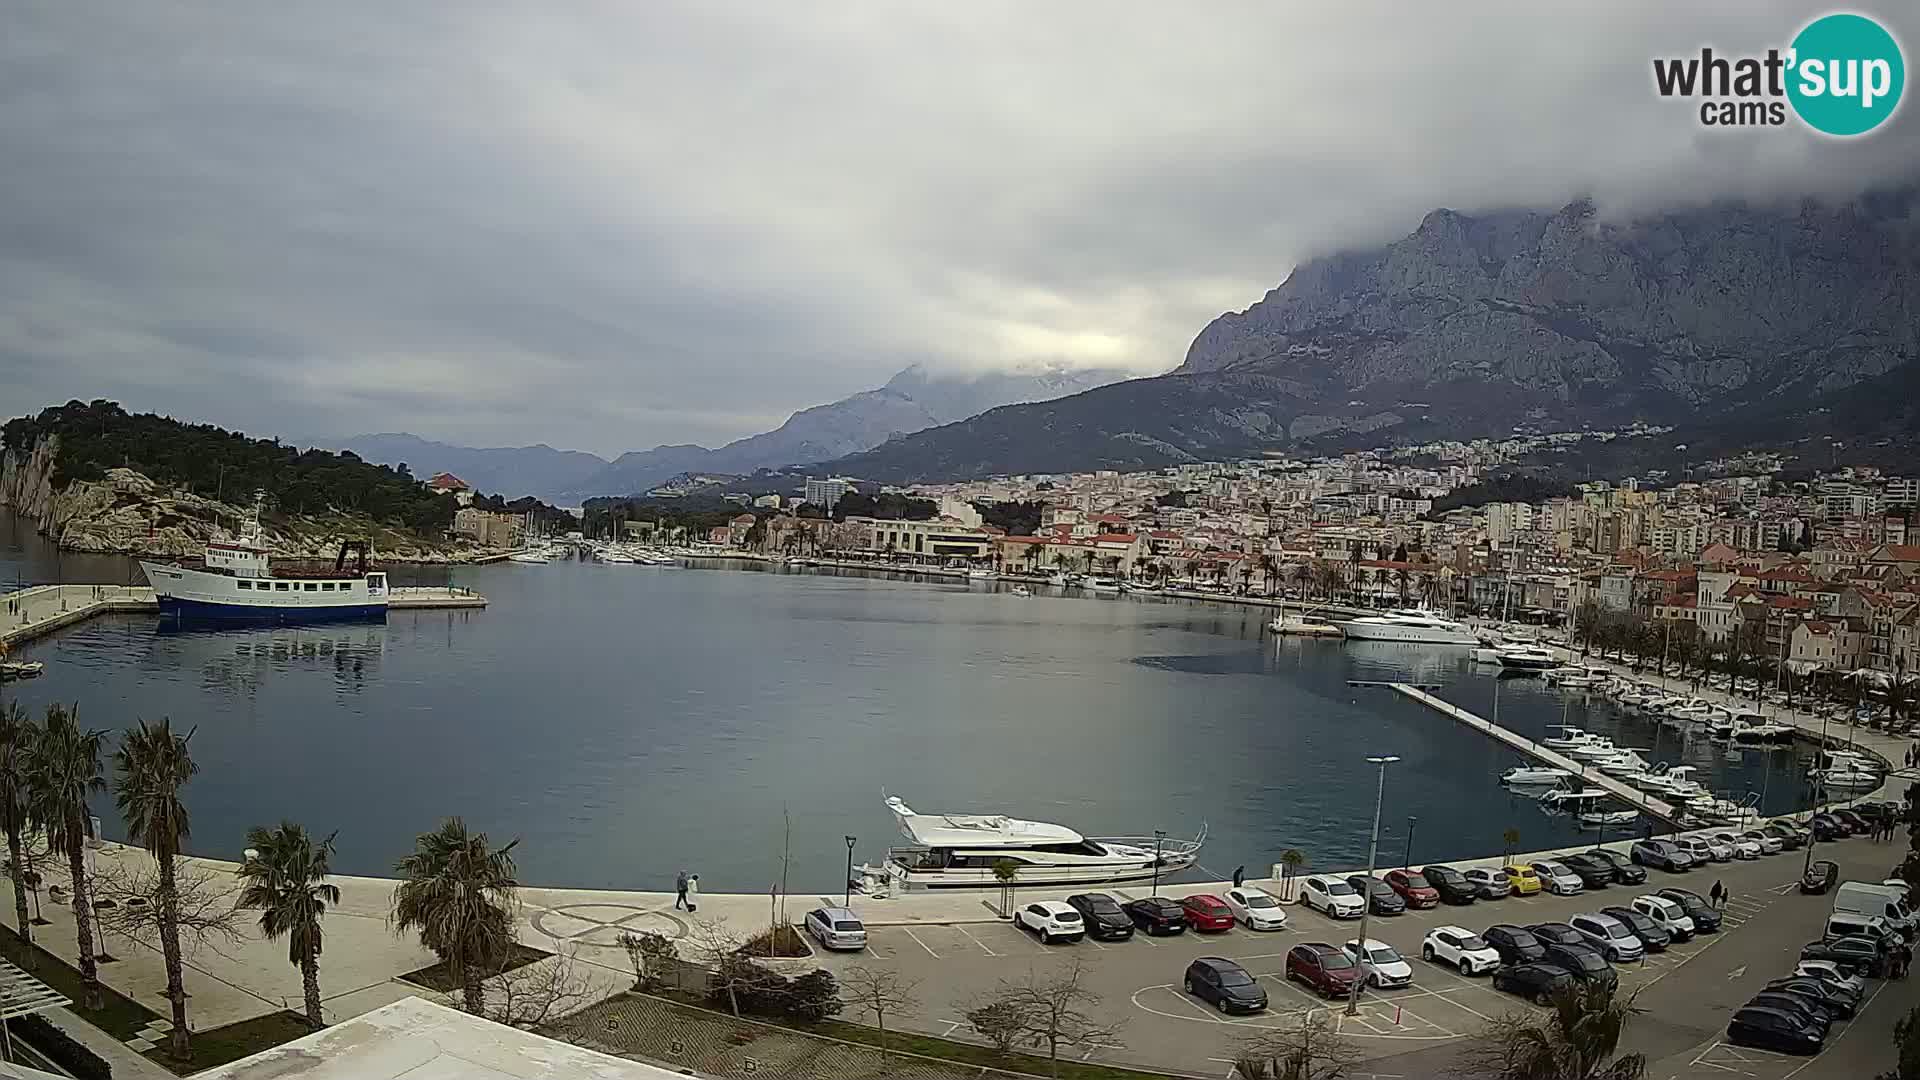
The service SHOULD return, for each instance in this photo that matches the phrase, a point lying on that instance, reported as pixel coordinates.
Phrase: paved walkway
(42, 609)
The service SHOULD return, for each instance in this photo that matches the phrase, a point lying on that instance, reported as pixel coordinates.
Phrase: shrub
(60, 1048)
(814, 997)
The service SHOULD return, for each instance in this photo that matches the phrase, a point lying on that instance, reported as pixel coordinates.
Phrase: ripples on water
(629, 721)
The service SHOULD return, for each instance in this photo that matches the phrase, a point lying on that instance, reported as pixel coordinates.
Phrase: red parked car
(1413, 888)
(1206, 911)
(1324, 969)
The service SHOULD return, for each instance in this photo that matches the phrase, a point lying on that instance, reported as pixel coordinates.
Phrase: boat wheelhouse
(960, 851)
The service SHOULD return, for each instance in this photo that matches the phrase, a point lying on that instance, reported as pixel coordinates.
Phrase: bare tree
(533, 995)
(127, 893)
(998, 1022)
(715, 945)
(879, 991)
(1054, 1009)
(1305, 1047)
(651, 954)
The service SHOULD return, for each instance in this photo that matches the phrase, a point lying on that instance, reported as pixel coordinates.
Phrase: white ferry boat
(235, 580)
(1410, 625)
(959, 851)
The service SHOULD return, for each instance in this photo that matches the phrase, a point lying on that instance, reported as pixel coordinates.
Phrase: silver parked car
(1615, 939)
(836, 928)
(1489, 884)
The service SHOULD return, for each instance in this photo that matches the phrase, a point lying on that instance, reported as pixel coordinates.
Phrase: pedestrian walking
(1717, 895)
(693, 892)
(680, 891)
(1239, 876)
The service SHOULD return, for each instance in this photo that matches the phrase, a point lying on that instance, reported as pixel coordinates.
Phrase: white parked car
(1699, 850)
(1255, 909)
(1383, 965)
(1719, 850)
(1051, 920)
(1828, 971)
(1333, 896)
(836, 928)
(1558, 879)
(1464, 949)
(1741, 846)
(1769, 843)
(1668, 915)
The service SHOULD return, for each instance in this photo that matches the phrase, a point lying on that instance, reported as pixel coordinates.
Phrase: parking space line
(977, 941)
(916, 940)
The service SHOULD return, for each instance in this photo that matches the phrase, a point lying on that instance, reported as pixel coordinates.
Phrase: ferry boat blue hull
(175, 607)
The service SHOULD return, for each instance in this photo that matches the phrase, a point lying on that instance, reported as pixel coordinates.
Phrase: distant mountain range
(1709, 319)
(911, 401)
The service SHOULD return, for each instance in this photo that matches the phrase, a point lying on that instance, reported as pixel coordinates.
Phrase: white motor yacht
(1596, 750)
(1767, 733)
(1525, 775)
(1849, 776)
(1627, 762)
(1408, 625)
(1563, 737)
(958, 851)
(981, 575)
(1528, 658)
(1103, 585)
(1681, 784)
(1022, 590)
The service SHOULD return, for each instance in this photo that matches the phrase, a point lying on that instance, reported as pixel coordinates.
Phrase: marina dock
(1626, 793)
(34, 612)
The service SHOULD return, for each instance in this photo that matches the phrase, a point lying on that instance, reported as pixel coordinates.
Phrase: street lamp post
(1366, 907)
(1159, 837)
(1407, 863)
(1813, 801)
(848, 902)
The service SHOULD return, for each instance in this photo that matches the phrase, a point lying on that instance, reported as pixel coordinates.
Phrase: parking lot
(1688, 991)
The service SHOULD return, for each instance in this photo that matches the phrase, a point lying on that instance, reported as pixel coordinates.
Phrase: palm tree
(1400, 577)
(63, 768)
(287, 881)
(1576, 1041)
(1302, 575)
(1291, 860)
(152, 765)
(1511, 838)
(17, 733)
(458, 892)
(1380, 578)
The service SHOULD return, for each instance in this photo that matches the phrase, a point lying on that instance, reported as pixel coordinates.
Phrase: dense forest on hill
(227, 465)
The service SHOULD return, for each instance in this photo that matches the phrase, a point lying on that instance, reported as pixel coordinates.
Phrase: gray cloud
(612, 225)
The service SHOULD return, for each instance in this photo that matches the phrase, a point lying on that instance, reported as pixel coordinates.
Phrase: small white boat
(1597, 750)
(1524, 775)
(1103, 585)
(1057, 580)
(612, 555)
(1848, 776)
(1606, 819)
(1567, 739)
(1022, 590)
(20, 669)
(981, 575)
(528, 557)
(1528, 658)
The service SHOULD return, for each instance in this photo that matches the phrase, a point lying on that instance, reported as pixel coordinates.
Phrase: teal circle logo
(1847, 74)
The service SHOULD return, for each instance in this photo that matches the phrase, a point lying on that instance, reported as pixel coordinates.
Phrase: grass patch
(119, 1016)
(971, 1054)
(233, 1042)
(440, 976)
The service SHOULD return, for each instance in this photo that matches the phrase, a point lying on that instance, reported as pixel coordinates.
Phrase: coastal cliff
(125, 512)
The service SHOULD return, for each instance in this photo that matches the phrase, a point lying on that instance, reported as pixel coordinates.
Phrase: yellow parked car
(1522, 880)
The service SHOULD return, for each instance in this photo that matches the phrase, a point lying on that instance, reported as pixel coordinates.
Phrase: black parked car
(1514, 944)
(1225, 984)
(1381, 898)
(1102, 916)
(1811, 1011)
(1706, 919)
(1771, 1029)
(1837, 997)
(1535, 982)
(1557, 933)
(1651, 934)
(1827, 827)
(1451, 884)
(1157, 915)
(1851, 953)
(1854, 821)
(1593, 871)
(1583, 962)
(1624, 871)
(1820, 877)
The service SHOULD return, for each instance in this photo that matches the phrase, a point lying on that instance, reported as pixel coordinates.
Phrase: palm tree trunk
(170, 953)
(474, 999)
(83, 911)
(18, 872)
(310, 982)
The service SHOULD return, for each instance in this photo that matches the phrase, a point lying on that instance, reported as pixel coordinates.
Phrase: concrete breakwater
(33, 612)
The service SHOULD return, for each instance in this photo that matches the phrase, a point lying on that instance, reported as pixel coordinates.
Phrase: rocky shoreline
(127, 513)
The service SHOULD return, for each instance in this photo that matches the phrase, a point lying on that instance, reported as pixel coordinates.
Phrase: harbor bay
(628, 722)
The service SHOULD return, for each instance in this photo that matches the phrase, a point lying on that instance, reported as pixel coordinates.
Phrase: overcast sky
(613, 225)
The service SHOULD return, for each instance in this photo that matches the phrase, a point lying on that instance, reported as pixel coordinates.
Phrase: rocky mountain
(913, 400)
(1472, 324)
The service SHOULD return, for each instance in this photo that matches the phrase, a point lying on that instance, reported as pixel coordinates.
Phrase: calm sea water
(625, 722)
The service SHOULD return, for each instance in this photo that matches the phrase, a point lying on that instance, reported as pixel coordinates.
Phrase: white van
(1873, 926)
(1668, 915)
(1885, 901)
